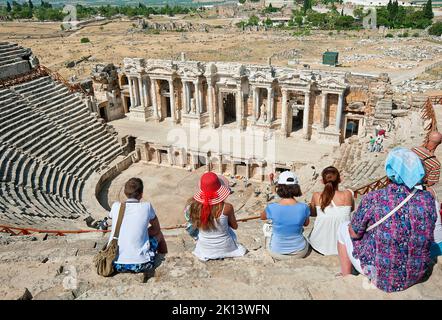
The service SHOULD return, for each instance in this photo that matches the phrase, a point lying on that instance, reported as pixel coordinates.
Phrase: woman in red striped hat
(215, 220)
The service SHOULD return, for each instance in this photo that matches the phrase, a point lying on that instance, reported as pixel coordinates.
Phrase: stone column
(247, 171)
(323, 109)
(284, 119)
(183, 157)
(187, 94)
(195, 161)
(262, 172)
(339, 112)
(158, 154)
(210, 108)
(239, 108)
(137, 92)
(208, 164)
(221, 108)
(232, 164)
(131, 92)
(269, 105)
(172, 100)
(255, 104)
(170, 156)
(154, 99)
(145, 91)
(220, 164)
(197, 97)
(305, 120)
(141, 91)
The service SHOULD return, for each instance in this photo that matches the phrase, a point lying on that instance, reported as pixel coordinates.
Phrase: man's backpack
(104, 259)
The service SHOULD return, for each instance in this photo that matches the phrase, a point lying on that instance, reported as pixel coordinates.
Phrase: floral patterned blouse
(396, 254)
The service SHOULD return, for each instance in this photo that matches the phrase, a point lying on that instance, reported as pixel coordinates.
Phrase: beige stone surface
(68, 274)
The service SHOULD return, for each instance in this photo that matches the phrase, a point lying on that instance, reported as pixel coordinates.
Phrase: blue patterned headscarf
(403, 166)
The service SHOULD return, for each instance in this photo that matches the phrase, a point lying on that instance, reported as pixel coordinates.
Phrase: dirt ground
(168, 189)
(112, 41)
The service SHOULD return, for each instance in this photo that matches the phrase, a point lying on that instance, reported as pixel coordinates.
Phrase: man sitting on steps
(429, 160)
(138, 242)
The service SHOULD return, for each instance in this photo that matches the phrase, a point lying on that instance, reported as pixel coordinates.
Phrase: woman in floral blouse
(395, 254)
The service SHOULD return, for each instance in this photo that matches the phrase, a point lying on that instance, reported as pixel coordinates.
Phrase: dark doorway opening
(352, 128)
(163, 156)
(229, 108)
(168, 108)
(127, 99)
(103, 113)
(297, 120)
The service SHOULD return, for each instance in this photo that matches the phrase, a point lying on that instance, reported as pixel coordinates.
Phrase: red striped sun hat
(213, 189)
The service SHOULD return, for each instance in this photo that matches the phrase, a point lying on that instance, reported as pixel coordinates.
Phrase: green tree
(242, 1)
(268, 22)
(253, 21)
(428, 10)
(307, 6)
(358, 12)
(389, 5)
(8, 7)
(30, 4)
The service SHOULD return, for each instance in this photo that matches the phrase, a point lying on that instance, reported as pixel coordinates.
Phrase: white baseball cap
(288, 177)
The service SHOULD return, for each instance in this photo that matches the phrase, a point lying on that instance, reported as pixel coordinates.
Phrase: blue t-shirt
(288, 226)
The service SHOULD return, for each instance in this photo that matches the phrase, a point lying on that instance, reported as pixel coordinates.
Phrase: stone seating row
(50, 144)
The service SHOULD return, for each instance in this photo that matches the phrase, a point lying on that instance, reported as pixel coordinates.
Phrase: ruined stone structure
(15, 59)
(52, 145)
(307, 104)
(107, 92)
(324, 107)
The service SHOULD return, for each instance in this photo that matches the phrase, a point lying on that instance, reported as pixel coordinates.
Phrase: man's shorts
(140, 267)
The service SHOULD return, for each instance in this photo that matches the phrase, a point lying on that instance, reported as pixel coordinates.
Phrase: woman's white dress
(324, 236)
(218, 243)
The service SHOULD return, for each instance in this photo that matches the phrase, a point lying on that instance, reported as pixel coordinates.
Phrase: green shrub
(416, 34)
(155, 31)
(436, 29)
(84, 40)
(389, 35)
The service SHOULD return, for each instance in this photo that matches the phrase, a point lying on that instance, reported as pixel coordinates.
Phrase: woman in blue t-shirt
(284, 237)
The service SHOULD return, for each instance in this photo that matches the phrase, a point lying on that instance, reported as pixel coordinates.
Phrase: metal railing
(41, 71)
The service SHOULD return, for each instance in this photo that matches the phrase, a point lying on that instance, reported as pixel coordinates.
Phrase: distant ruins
(308, 104)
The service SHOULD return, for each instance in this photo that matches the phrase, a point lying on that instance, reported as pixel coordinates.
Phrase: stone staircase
(11, 53)
(357, 165)
(50, 145)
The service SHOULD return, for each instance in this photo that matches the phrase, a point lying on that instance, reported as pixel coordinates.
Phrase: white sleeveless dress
(324, 236)
(218, 243)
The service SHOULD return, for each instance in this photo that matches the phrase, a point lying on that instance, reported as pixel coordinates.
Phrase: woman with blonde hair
(331, 208)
